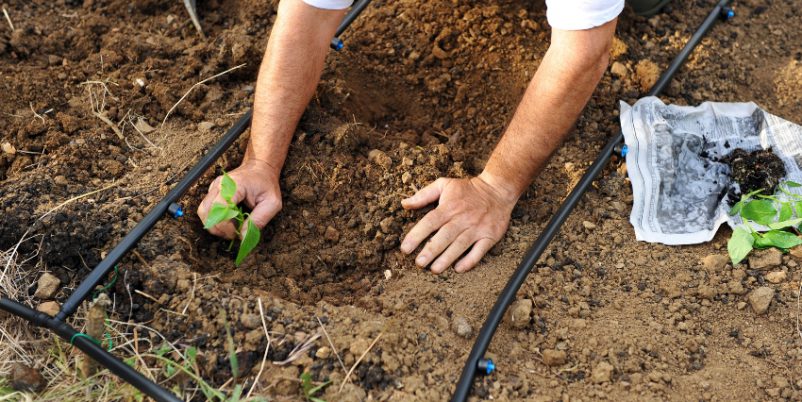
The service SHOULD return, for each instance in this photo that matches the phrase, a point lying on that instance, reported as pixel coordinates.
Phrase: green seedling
(310, 389)
(783, 219)
(230, 210)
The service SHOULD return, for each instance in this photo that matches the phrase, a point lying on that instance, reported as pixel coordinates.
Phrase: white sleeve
(574, 15)
(330, 4)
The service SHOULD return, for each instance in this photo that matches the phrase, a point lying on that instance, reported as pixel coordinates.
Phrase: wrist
(502, 186)
(261, 165)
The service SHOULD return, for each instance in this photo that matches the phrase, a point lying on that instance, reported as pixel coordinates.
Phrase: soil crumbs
(422, 90)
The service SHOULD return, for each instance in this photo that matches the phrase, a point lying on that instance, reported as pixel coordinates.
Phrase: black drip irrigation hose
(168, 205)
(475, 361)
(93, 350)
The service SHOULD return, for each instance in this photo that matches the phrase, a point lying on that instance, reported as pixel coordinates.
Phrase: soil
(757, 170)
(422, 90)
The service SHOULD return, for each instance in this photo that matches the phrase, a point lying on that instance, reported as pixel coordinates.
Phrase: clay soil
(428, 87)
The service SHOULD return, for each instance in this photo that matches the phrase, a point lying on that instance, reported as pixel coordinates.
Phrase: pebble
(331, 234)
(619, 70)
(461, 326)
(554, 358)
(323, 353)
(520, 312)
(26, 379)
(796, 252)
(776, 276)
(589, 225)
(602, 373)
(250, 321)
(388, 274)
(406, 178)
(386, 225)
(47, 286)
(715, 262)
(380, 158)
(205, 126)
(760, 299)
(766, 259)
(8, 148)
(647, 74)
(50, 308)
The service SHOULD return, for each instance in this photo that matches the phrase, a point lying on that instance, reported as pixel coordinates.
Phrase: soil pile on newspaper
(422, 90)
(757, 170)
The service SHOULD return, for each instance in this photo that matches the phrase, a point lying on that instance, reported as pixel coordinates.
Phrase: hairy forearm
(288, 76)
(553, 101)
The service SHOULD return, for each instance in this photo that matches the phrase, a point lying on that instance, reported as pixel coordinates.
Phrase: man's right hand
(257, 186)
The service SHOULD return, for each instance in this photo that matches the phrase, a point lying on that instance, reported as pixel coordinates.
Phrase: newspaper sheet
(679, 182)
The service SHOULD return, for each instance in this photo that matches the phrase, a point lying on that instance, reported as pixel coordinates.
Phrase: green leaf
(248, 243)
(236, 394)
(162, 350)
(736, 209)
(791, 184)
(227, 188)
(798, 208)
(192, 354)
(219, 213)
(786, 223)
(785, 212)
(778, 238)
(740, 244)
(131, 361)
(760, 211)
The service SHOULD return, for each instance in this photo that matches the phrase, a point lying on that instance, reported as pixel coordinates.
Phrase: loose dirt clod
(47, 286)
(760, 299)
(757, 170)
(766, 259)
(27, 379)
(554, 358)
(461, 327)
(50, 308)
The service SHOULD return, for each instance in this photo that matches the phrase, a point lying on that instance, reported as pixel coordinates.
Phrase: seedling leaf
(249, 242)
(791, 184)
(228, 188)
(219, 213)
(778, 238)
(785, 212)
(786, 224)
(759, 211)
(740, 244)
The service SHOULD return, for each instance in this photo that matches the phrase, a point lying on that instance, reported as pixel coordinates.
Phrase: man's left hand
(471, 213)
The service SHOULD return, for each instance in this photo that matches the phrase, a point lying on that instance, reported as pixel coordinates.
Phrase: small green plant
(769, 211)
(230, 210)
(309, 389)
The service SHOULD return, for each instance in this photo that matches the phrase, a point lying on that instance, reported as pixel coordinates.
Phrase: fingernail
(421, 260)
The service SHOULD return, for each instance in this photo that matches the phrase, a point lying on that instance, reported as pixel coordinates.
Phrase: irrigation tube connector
(475, 358)
(167, 206)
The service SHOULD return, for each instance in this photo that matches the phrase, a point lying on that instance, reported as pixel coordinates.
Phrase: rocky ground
(421, 91)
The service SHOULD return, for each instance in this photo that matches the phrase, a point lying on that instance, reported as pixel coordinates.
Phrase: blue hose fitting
(337, 44)
(624, 151)
(486, 366)
(727, 13)
(175, 210)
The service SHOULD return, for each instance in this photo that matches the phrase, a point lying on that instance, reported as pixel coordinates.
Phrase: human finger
(479, 249)
(430, 222)
(426, 195)
(439, 242)
(456, 249)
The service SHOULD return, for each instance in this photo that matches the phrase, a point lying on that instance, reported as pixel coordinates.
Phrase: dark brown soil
(757, 170)
(423, 89)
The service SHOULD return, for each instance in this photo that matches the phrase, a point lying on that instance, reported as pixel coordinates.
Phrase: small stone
(53, 60)
(554, 358)
(520, 312)
(776, 276)
(760, 299)
(26, 379)
(619, 70)
(589, 225)
(205, 126)
(332, 234)
(461, 326)
(8, 148)
(388, 274)
(250, 321)
(406, 178)
(766, 259)
(736, 287)
(380, 158)
(796, 252)
(50, 308)
(303, 193)
(647, 74)
(707, 292)
(387, 224)
(602, 373)
(741, 305)
(47, 286)
(715, 262)
(323, 353)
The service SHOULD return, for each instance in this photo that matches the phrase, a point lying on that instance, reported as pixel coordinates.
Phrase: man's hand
(257, 186)
(472, 213)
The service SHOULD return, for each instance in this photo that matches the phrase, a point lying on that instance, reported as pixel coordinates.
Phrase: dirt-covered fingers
(438, 243)
(455, 250)
(479, 249)
(431, 222)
